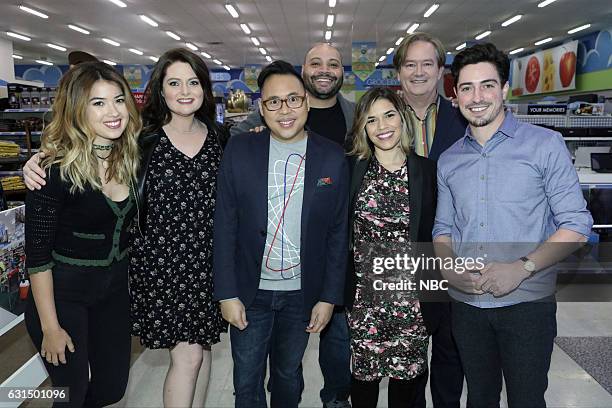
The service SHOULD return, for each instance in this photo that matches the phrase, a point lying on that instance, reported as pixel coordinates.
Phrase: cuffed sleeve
(563, 190)
(445, 210)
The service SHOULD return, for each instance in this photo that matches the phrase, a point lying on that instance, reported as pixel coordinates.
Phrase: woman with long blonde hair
(77, 236)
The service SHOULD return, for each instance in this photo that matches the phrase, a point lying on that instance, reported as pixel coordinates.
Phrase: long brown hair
(362, 147)
(68, 139)
(156, 113)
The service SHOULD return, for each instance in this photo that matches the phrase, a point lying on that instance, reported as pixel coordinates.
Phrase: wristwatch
(528, 265)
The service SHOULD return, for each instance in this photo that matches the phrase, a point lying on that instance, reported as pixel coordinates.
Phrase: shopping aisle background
(570, 385)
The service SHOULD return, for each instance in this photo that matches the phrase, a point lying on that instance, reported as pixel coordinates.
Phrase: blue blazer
(241, 217)
(450, 127)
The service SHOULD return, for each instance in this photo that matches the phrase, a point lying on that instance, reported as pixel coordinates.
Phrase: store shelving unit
(27, 138)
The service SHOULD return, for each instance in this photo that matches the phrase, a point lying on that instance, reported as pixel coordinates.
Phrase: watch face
(529, 266)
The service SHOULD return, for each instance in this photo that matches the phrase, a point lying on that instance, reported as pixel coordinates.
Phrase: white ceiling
(286, 28)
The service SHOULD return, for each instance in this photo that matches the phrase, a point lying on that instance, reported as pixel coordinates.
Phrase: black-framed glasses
(292, 101)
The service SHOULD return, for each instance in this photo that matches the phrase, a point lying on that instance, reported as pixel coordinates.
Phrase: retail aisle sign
(363, 59)
(251, 72)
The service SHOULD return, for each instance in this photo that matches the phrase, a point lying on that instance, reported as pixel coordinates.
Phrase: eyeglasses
(293, 102)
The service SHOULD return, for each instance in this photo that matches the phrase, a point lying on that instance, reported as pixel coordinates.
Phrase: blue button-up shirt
(501, 200)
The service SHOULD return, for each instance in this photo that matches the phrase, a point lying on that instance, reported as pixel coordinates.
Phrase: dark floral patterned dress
(388, 336)
(171, 267)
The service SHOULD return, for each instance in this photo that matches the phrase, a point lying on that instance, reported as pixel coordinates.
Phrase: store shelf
(15, 192)
(22, 133)
(13, 160)
(41, 110)
(587, 138)
(560, 121)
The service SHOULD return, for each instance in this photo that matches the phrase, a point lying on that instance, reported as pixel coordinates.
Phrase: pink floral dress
(388, 336)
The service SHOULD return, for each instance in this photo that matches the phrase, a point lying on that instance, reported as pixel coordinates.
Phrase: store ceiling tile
(286, 28)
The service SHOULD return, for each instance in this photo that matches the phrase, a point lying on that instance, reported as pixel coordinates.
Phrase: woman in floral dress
(392, 208)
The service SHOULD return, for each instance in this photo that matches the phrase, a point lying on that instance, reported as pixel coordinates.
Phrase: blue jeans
(275, 324)
(515, 341)
(335, 358)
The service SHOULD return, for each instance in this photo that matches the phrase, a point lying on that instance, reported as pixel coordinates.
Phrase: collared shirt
(424, 129)
(517, 189)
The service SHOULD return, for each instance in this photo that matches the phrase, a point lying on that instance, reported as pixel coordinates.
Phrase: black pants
(515, 342)
(402, 393)
(93, 308)
(446, 371)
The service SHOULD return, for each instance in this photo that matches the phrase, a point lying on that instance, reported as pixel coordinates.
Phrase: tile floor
(569, 384)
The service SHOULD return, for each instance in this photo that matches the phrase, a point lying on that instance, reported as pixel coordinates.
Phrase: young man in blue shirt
(509, 195)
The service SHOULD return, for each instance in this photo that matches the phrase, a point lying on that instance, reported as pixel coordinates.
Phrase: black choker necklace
(103, 147)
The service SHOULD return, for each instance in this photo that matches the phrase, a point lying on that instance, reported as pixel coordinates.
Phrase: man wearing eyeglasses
(280, 240)
(331, 116)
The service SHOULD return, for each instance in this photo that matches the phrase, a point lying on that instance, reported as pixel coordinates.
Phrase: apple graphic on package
(532, 74)
(567, 68)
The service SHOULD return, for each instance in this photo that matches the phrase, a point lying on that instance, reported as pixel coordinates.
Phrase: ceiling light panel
(34, 12)
(483, 35)
(544, 41)
(431, 10)
(118, 3)
(232, 10)
(149, 20)
(412, 28)
(245, 28)
(582, 27)
(79, 29)
(512, 20)
(56, 47)
(173, 36)
(18, 36)
(111, 42)
(546, 3)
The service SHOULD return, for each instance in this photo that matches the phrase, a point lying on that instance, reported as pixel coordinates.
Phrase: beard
(330, 93)
(482, 121)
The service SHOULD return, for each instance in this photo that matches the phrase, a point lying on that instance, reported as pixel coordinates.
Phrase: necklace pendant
(105, 164)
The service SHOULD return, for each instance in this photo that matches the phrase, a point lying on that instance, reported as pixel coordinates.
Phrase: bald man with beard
(331, 115)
